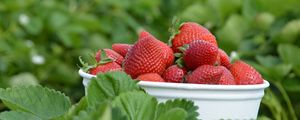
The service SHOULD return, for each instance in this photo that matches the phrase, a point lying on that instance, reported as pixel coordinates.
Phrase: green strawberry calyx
(85, 66)
(174, 29)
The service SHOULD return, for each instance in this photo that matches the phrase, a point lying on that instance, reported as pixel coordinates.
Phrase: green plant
(110, 96)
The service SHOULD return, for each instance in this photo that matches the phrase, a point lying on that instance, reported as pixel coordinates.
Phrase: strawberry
(110, 54)
(245, 74)
(205, 74)
(223, 59)
(190, 31)
(145, 56)
(200, 53)
(154, 77)
(110, 66)
(169, 55)
(122, 49)
(226, 78)
(174, 74)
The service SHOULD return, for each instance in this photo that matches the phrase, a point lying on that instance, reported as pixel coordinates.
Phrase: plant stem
(271, 107)
(287, 100)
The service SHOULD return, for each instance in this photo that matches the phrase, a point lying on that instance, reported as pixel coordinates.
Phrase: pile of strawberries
(192, 57)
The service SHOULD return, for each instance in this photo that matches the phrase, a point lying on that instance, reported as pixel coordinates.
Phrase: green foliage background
(266, 33)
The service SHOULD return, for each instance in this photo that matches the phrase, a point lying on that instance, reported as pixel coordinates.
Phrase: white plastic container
(215, 102)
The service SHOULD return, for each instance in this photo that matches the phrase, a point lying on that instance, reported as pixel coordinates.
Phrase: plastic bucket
(214, 101)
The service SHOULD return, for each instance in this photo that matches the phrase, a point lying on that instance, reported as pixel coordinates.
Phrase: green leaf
(108, 85)
(272, 102)
(263, 21)
(249, 9)
(296, 69)
(200, 13)
(45, 103)
(225, 8)
(137, 105)
(187, 105)
(75, 109)
(35, 26)
(274, 73)
(289, 33)
(263, 118)
(23, 79)
(58, 20)
(17, 115)
(229, 40)
(174, 114)
(282, 7)
(97, 41)
(288, 53)
(117, 114)
(267, 61)
(291, 85)
(102, 111)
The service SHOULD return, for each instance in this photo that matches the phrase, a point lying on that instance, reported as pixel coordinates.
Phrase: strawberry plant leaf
(174, 114)
(102, 111)
(17, 115)
(45, 103)
(288, 53)
(272, 101)
(137, 105)
(75, 109)
(291, 85)
(187, 105)
(108, 85)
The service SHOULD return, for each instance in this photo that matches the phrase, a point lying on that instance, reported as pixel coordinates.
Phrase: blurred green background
(40, 40)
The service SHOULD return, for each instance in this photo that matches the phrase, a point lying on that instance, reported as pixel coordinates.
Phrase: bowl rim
(189, 86)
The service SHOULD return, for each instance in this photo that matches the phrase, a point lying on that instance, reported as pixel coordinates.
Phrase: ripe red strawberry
(200, 53)
(190, 31)
(223, 59)
(146, 56)
(154, 77)
(169, 55)
(110, 66)
(245, 74)
(205, 74)
(122, 49)
(174, 74)
(110, 54)
(226, 78)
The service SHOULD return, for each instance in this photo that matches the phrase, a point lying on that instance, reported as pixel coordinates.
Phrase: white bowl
(214, 101)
